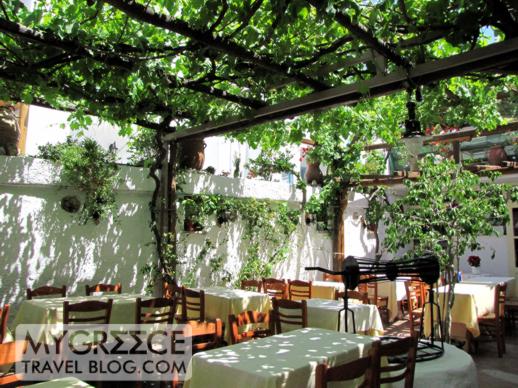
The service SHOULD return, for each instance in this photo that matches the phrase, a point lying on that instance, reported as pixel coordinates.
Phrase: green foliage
(445, 211)
(89, 168)
(267, 227)
(268, 163)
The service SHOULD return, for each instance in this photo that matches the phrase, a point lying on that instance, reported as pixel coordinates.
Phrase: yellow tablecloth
(50, 310)
(66, 382)
(220, 302)
(324, 314)
(471, 301)
(285, 360)
(325, 290)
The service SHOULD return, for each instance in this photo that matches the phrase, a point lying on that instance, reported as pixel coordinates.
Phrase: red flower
(474, 261)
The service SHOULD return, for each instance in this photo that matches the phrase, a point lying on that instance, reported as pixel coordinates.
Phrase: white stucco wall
(42, 244)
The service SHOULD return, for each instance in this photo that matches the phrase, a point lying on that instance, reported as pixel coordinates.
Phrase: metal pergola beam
(480, 59)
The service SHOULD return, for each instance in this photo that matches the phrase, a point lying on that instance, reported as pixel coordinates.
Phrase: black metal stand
(428, 349)
(346, 310)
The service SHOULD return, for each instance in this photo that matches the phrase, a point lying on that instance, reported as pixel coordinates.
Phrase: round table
(454, 369)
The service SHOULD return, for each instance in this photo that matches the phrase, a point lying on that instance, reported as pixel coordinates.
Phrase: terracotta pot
(313, 173)
(496, 155)
(192, 153)
(9, 132)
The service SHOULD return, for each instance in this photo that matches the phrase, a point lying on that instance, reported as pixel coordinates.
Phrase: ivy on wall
(267, 227)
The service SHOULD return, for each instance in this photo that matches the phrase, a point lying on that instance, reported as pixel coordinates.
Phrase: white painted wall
(42, 244)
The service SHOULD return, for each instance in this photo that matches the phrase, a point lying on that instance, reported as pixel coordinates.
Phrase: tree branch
(147, 15)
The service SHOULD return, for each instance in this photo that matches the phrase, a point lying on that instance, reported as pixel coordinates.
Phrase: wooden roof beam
(482, 58)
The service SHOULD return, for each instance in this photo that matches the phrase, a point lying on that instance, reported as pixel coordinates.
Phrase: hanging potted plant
(191, 221)
(313, 175)
(9, 131)
(192, 153)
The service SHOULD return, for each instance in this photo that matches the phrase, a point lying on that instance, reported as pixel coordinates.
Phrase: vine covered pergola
(197, 68)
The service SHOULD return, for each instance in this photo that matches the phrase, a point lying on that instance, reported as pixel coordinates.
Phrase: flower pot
(313, 173)
(192, 153)
(9, 132)
(475, 270)
(496, 155)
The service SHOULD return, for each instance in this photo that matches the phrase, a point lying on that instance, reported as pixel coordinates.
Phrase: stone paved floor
(493, 372)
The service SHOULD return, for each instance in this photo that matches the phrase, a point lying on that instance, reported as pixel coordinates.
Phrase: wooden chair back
(289, 312)
(111, 288)
(398, 369)
(419, 289)
(413, 297)
(90, 311)
(275, 288)
(248, 318)
(332, 278)
(357, 295)
(500, 295)
(157, 310)
(59, 292)
(299, 290)
(174, 292)
(206, 335)
(365, 366)
(193, 305)
(10, 353)
(252, 285)
(4, 315)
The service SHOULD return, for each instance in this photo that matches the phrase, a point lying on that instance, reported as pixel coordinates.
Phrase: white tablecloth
(220, 302)
(324, 314)
(50, 310)
(66, 382)
(455, 369)
(486, 279)
(286, 360)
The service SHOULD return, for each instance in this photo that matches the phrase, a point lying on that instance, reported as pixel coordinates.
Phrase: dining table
(49, 311)
(329, 314)
(220, 302)
(285, 360)
(321, 289)
(289, 360)
(474, 298)
(64, 382)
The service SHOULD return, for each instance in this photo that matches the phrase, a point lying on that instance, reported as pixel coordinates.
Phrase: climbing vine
(267, 227)
(88, 168)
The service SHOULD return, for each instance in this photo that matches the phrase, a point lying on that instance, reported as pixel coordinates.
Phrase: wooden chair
(59, 292)
(4, 315)
(494, 323)
(109, 288)
(10, 353)
(163, 310)
(275, 288)
(206, 335)
(414, 305)
(252, 285)
(357, 295)
(289, 312)
(82, 312)
(379, 301)
(365, 366)
(332, 278)
(299, 290)
(399, 368)
(248, 318)
(193, 305)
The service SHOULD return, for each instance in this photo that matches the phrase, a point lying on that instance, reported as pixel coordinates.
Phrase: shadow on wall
(42, 244)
